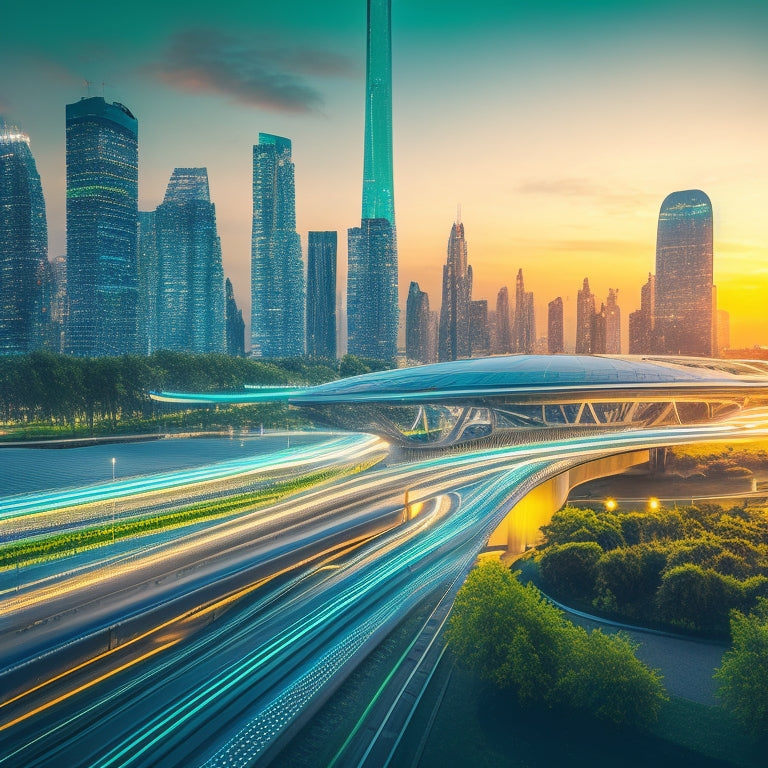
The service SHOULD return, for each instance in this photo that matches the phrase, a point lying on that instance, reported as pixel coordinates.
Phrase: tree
(575, 524)
(509, 635)
(743, 676)
(569, 570)
(698, 598)
(605, 678)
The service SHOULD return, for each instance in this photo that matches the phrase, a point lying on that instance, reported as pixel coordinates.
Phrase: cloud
(263, 71)
(613, 200)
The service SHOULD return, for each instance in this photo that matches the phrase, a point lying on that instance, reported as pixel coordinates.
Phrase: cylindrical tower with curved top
(684, 290)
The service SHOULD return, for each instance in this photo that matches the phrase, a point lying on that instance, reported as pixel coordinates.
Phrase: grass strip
(29, 551)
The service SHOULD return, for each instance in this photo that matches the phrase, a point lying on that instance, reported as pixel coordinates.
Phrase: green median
(51, 547)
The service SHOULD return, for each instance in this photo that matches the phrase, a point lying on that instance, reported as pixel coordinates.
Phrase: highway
(299, 593)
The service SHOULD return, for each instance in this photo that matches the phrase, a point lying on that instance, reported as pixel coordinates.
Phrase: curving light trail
(313, 631)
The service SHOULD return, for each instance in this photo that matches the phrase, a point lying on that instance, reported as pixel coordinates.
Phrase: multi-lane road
(211, 648)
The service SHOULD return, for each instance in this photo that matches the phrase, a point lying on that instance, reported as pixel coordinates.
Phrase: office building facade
(277, 269)
(555, 327)
(23, 244)
(373, 318)
(454, 331)
(102, 216)
(321, 294)
(190, 288)
(684, 304)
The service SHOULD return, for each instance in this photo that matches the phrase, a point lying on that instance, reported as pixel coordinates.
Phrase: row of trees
(46, 388)
(687, 567)
(511, 637)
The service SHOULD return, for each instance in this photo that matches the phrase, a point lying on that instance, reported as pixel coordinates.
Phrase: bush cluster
(511, 637)
(686, 567)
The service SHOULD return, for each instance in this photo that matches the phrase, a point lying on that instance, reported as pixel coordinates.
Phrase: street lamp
(653, 504)
(113, 468)
(611, 504)
(113, 501)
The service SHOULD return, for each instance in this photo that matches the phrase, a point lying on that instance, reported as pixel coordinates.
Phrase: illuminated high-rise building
(102, 214)
(503, 336)
(612, 323)
(190, 292)
(147, 268)
(372, 310)
(555, 327)
(585, 310)
(277, 269)
(321, 295)
(235, 323)
(479, 335)
(418, 326)
(641, 321)
(723, 331)
(23, 245)
(524, 326)
(454, 330)
(684, 311)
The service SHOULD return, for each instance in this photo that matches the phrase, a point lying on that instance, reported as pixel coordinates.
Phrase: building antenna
(88, 85)
(458, 213)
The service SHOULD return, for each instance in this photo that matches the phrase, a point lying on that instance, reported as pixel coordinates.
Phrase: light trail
(348, 446)
(312, 631)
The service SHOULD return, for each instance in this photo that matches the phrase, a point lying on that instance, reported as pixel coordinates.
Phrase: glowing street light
(113, 468)
(611, 504)
(653, 504)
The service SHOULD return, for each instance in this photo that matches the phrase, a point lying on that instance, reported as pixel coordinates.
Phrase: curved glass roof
(511, 372)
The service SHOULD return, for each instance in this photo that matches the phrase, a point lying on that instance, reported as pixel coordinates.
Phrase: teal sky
(559, 127)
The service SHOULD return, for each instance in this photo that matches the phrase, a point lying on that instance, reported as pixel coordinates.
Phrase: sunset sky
(559, 127)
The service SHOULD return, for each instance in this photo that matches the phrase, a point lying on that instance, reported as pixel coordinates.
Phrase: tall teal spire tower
(378, 186)
(372, 311)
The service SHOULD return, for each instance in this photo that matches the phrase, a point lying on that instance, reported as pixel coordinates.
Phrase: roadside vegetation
(510, 636)
(44, 395)
(686, 568)
(51, 547)
(743, 676)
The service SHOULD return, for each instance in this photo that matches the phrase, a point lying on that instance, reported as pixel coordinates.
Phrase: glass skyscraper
(418, 326)
(148, 279)
(454, 334)
(190, 293)
(321, 295)
(235, 323)
(372, 317)
(684, 306)
(277, 270)
(102, 215)
(23, 244)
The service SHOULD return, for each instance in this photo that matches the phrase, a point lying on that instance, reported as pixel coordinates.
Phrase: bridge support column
(519, 531)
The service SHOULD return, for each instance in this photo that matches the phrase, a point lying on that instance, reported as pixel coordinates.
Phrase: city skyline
(566, 203)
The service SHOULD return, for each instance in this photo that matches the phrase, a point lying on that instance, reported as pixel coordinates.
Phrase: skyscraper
(723, 331)
(524, 327)
(23, 242)
(585, 309)
(372, 310)
(277, 270)
(684, 313)
(148, 272)
(321, 295)
(555, 337)
(102, 214)
(598, 335)
(235, 323)
(612, 323)
(503, 337)
(454, 339)
(190, 293)
(418, 325)
(479, 336)
(641, 321)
